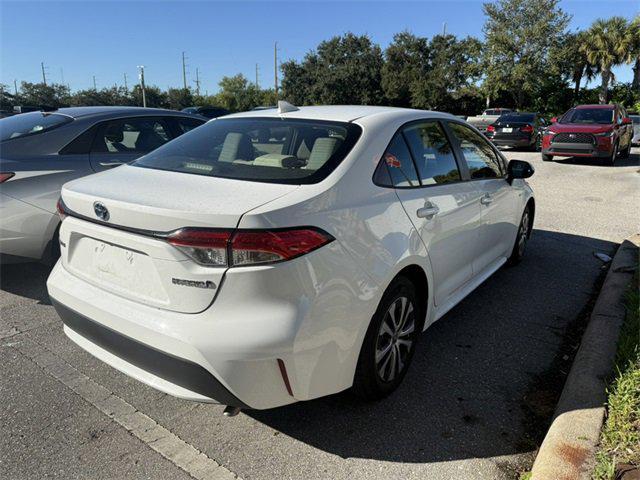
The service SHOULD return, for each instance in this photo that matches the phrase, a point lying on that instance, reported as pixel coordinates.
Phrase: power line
(44, 75)
(197, 82)
(141, 75)
(184, 71)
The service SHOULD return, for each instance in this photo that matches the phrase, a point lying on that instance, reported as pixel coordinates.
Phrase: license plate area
(507, 130)
(115, 268)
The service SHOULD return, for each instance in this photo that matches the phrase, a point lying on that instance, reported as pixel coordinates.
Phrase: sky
(77, 40)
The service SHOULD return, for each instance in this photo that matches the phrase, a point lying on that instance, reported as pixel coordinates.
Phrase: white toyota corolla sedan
(282, 255)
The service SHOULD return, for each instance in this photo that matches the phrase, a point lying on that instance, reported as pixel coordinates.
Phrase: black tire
(536, 145)
(373, 379)
(524, 232)
(611, 160)
(546, 158)
(625, 153)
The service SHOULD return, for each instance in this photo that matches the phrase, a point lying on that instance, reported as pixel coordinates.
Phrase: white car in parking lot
(282, 255)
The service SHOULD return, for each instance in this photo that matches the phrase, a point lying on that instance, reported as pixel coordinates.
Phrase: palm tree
(607, 45)
(633, 55)
(579, 64)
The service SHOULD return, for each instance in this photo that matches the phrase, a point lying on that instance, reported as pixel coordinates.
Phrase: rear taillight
(491, 128)
(526, 129)
(247, 247)
(61, 209)
(4, 176)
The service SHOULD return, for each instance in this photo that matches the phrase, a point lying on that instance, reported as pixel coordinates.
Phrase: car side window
(432, 153)
(187, 124)
(131, 135)
(396, 168)
(481, 160)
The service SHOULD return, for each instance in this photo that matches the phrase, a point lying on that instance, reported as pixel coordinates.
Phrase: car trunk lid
(126, 252)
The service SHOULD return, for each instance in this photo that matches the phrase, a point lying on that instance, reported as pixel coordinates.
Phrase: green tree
(568, 60)
(519, 36)
(106, 96)
(406, 62)
(155, 97)
(38, 94)
(633, 54)
(343, 70)
(607, 45)
(179, 98)
(237, 94)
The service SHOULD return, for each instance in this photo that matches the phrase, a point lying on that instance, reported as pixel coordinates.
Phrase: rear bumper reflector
(176, 370)
(285, 376)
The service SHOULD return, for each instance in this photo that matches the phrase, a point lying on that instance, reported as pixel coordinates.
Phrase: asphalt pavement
(467, 408)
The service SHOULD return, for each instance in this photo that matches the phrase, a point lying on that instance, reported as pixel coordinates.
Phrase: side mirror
(627, 121)
(554, 119)
(519, 169)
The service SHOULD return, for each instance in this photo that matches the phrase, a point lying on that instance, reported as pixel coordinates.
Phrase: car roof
(604, 107)
(81, 112)
(338, 113)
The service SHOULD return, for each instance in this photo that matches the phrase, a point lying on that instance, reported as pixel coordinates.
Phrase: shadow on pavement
(26, 280)
(468, 393)
(632, 161)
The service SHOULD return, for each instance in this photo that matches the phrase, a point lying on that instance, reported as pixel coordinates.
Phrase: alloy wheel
(523, 232)
(395, 339)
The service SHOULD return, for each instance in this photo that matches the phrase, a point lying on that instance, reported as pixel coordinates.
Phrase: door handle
(486, 199)
(111, 164)
(428, 211)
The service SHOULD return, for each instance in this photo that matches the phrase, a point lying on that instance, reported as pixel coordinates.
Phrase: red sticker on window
(392, 160)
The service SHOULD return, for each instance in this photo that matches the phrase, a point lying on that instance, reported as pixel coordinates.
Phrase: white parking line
(157, 437)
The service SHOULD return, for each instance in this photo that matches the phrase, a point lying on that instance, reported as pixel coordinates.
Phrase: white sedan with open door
(282, 255)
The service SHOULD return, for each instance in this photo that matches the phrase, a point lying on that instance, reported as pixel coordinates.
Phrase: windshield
(258, 149)
(512, 117)
(588, 115)
(30, 124)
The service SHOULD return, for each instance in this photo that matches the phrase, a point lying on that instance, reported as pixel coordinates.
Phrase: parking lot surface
(464, 410)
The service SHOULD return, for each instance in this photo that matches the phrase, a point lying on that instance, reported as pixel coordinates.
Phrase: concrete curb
(568, 449)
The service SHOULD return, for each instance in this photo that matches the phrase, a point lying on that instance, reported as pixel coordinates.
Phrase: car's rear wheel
(625, 153)
(389, 343)
(524, 231)
(611, 160)
(546, 158)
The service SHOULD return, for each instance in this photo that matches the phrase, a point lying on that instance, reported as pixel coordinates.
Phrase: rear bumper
(511, 142)
(287, 314)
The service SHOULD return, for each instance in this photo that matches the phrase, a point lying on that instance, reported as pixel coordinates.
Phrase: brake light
(61, 209)
(4, 176)
(527, 129)
(247, 247)
(491, 128)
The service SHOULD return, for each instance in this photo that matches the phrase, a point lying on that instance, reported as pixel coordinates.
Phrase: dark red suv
(597, 131)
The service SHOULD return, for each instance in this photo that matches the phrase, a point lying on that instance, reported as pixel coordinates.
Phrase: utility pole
(257, 76)
(15, 86)
(94, 83)
(126, 87)
(197, 82)
(141, 76)
(275, 68)
(61, 76)
(44, 76)
(184, 72)
(444, 28)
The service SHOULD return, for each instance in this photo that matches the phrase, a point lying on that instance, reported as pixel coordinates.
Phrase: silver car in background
(636, 129)
(40, 151)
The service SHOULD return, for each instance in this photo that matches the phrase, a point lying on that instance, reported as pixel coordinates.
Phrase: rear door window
(131, 135)
(432, 153)
(481, 159)
(187, 124)
(396, 168)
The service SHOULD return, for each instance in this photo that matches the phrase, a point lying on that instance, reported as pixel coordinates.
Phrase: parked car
(521, 129)
(264, 259)
(636, 129)
(207, 112)
(39, 151)
(489, 116)
(595, 131)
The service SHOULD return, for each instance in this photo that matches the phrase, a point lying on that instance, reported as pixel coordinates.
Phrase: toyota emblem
(101, 211)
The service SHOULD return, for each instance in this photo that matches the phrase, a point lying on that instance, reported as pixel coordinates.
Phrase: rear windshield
(517, 117)
(496, 111)
(588, 115)
(30, 124)
(258, 149)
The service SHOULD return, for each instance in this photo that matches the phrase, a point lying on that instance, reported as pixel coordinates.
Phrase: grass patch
(620, 440)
